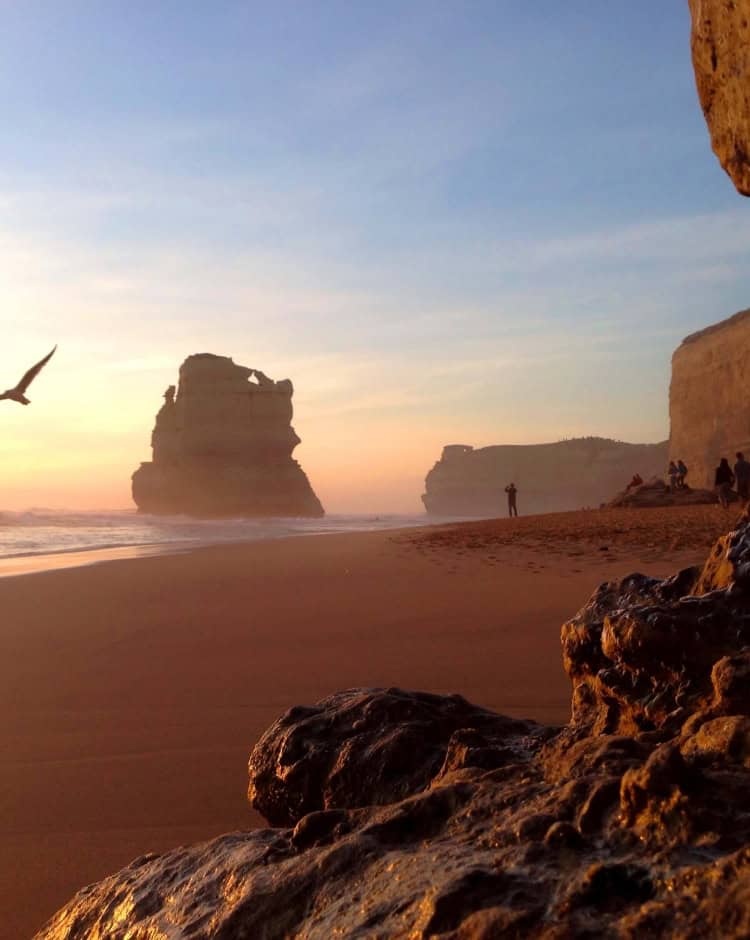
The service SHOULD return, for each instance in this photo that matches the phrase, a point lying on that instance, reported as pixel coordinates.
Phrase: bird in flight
(18, 393)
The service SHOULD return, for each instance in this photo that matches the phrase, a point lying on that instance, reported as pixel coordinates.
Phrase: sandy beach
(133, 691)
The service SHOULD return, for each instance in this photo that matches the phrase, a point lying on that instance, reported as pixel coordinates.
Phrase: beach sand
(132, 692)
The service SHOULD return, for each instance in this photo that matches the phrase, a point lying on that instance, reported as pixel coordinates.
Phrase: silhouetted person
(673, 474)
(723, 481)
(681, 474)
(634, 483)
(512, 492)
(742, 477)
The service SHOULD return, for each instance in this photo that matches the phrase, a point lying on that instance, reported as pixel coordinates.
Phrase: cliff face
(549, 477)
(222, 446)
(708, 397)
(720, 41)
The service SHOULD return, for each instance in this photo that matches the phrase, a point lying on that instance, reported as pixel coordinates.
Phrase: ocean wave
(42, 531)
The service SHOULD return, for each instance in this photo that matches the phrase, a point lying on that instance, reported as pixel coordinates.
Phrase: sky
(475, 221)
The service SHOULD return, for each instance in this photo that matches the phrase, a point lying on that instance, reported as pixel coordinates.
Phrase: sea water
(48, 532)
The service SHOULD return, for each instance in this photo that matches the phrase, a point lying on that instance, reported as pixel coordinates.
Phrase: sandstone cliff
(222, 446)
(403, 814)
(549, 477)
(708, 397)
(720, 44)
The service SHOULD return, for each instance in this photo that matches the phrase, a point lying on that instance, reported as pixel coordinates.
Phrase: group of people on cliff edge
(726, 477)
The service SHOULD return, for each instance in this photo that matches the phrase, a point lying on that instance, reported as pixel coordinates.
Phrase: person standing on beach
(742, 477)
(723, 481)
(673, 474)
(682, 472)
(512, 491)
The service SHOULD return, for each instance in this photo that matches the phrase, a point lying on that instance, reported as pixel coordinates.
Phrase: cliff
(550, 477)
(222, 446)
(719, 41)
(707, 397)
(402, 814)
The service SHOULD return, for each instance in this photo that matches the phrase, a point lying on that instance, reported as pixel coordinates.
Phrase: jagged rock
(720, 41)
(222, 446)
(365, 747)
(657, 492)
(709, 378)
(550, 477)
(644, 651)
(415, 815)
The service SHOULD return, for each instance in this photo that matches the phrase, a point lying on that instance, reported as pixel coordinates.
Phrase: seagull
(17, 393)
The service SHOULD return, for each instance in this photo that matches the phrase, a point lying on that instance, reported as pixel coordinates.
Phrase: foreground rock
(222, 446)
(550, 477)
(411, 815)
(655, 493)
(709, 378)
(720, 40)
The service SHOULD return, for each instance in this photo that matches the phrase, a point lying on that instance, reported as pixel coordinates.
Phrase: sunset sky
(475, 222)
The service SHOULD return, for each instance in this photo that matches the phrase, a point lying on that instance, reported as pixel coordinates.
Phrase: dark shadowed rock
(374, 746)
(409, 815)
(222, 446)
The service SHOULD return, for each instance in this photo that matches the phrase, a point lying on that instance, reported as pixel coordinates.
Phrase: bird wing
(33, 372)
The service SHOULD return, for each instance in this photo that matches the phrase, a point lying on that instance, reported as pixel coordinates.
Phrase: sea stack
(222, 446)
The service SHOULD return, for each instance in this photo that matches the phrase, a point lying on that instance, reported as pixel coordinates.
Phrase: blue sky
(483, 222)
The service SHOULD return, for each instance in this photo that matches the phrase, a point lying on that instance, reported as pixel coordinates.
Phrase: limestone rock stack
(550, 477)
(222, 446)
(721, 58)
(708, 409)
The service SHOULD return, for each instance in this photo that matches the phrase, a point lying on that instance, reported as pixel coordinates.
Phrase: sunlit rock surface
(407, 815)
(222, 446)
(720, 43)
(550, 477)
(708, 415)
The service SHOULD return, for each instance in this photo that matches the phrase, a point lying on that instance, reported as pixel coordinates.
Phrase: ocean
(50, 533)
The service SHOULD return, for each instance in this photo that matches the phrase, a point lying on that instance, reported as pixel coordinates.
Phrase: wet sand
(131, 693)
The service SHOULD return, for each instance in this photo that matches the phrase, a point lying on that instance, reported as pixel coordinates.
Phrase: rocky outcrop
(412, 815)
(710, 374)
(363, 748)
(222, 446)
(720, 44)
(550, 477)
(654, 493)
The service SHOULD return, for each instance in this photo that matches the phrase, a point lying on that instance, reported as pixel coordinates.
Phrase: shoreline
(549, 531)
(25, 563)
(135, 691)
